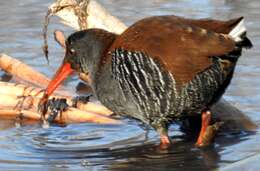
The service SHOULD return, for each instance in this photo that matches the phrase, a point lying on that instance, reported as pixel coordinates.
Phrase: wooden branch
(232, 117)
(23, 90)
(11, 114)
(72, 115)
(21, 70)
(28, 105)
(97, 16)
(26, 73)
(20, 90)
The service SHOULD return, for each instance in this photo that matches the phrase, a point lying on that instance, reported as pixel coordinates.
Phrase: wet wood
(27, 105)
(232, 117)
(72, 115)
(60, 38)
(23, 71)
(26, 74)
(20, 90)
(23, 90)
(12, 114)
(96, 16)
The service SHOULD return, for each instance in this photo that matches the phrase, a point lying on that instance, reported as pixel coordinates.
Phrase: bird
(160, 70)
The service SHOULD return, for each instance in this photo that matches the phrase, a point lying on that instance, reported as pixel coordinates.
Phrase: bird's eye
(72, 51)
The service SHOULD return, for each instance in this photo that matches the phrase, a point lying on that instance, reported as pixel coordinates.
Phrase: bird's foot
(165, 142)
(80, 99)
(43, 109)
(210, 134)
(207, 132)
(55, 106)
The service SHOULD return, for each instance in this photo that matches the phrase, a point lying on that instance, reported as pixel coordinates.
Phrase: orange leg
(206, 117)
(165, 140)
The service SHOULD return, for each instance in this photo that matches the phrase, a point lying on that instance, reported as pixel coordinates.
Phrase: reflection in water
(128, 146)
(149, 157)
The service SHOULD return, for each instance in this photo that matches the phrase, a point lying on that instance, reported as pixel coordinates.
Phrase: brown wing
(217, 26)
(184, 49)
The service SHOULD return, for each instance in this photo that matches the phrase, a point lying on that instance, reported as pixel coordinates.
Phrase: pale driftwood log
(19, 69)
(20, 90)
(232, 117)
(72, 115)
(11, 114)
(97, 16)
(26, 73)
(13, 106)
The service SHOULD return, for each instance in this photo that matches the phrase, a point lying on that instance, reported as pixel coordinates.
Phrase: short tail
(238, 33)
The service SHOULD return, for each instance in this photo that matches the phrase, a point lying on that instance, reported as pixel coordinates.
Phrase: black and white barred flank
(153, 89)
(142, 78)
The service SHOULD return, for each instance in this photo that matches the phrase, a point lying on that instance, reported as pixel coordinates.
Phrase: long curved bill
(63, 72)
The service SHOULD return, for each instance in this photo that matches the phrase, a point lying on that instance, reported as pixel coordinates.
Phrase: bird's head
(83, 51)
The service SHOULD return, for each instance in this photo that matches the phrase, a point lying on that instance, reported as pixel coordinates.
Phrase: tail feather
(238, 33)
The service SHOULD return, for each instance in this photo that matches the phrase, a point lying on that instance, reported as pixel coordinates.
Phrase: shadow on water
(128, 146)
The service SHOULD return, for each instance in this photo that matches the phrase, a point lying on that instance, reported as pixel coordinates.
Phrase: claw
(82, 99)
(206, 118)
(57, 106)
(43, 108)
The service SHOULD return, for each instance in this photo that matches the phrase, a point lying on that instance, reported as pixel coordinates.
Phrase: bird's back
(181, 46)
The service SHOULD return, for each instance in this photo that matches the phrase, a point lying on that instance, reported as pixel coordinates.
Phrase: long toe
(165, 142)
(56, 106)
(205, 121)
(80, 99)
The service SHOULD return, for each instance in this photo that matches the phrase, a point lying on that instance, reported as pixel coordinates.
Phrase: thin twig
(45, 31)
(80, 10)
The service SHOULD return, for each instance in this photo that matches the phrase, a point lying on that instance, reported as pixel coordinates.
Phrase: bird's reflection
(182, 155)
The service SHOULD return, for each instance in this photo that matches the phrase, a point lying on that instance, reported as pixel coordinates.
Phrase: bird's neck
(103, 41)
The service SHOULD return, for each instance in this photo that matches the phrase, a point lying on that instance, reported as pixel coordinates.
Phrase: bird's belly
(122, 105)
(116, 99)
(203, 90)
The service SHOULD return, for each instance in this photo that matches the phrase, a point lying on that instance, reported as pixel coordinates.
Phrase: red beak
(63, 72)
